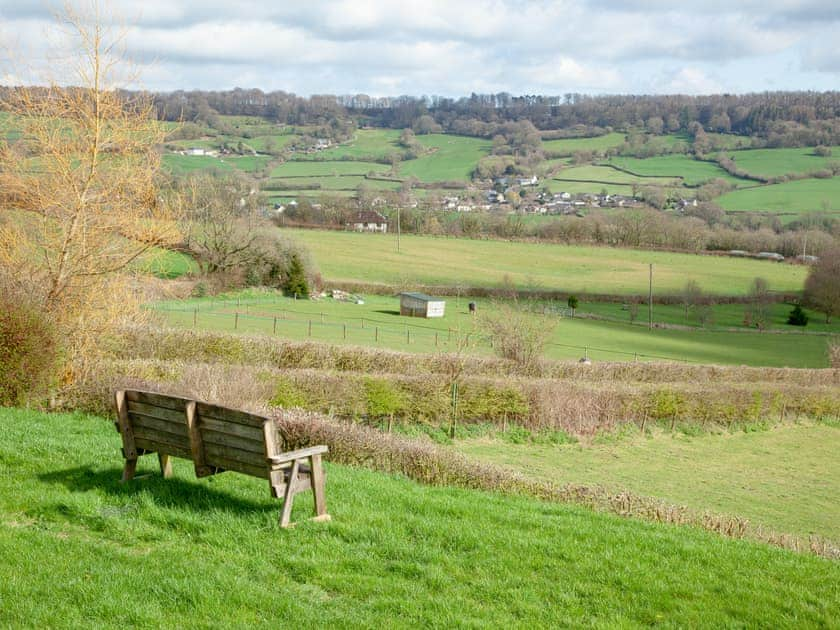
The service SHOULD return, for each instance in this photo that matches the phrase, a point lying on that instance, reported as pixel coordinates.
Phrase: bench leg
(129, 470)
(286, 513)
(165, 465)
(317, 480)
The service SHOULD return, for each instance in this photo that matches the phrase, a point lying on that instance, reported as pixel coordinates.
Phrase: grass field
(378, 324)
(786, 479)
(782, 161)
(692, 172)
(568, 146)
(318, 169)
(454, 158)
(365, 143)
(183, 164)
(165, 263)
(334, 182)
(207, 553)
(445, 262)
(607, 174)
(790, 198)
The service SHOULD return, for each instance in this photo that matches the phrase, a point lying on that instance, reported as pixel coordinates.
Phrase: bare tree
(516, 335)
(822, 287)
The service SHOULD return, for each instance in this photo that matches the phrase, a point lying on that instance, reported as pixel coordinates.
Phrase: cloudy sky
(455, 47)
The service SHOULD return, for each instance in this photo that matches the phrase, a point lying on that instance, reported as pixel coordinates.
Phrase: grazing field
(567, 146)
(183, 164)
(186, 552)
(379, 143)
(319, 169)
(782, 161)
(332, 182)
(165, 263)
(791, 199)
(690, 171)
(377, 324)
(785, 479)
(610, 175)
(428, 260)
(454, 158)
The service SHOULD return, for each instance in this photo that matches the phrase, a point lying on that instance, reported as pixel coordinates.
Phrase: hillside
(184, 552)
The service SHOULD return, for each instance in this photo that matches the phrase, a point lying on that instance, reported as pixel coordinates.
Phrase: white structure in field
(421, 305)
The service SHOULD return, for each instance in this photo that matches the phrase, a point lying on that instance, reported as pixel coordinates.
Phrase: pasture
(349, 256)
(187, 552)
(568, 146)
(377, 324)
(454, 158)
(321, 169)
(782, 161)
(784, 479)
(789, 199)
(366, 143)
(682, 167)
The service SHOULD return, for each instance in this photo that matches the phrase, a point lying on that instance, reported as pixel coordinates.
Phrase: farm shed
(421, 305)
(369, 221)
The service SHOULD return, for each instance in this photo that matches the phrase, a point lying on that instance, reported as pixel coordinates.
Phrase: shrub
(28, 351)
(296, 283)
(797, 317)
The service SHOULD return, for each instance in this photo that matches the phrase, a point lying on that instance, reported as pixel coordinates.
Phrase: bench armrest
(301, 453)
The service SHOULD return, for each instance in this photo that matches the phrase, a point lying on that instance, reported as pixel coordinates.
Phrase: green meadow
(782, 161)
(690, 171)
(454, 158)
(790, 198)
(438, 261)
(379, 143)
(784, 479)
(568, 146)
(183, 552)
(319, 169)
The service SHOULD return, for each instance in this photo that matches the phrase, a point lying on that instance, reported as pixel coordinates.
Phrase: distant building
(369, 221)
(421, 305)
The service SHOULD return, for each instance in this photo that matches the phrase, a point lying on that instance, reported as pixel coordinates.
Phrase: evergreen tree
(797, 317)
(296, 283)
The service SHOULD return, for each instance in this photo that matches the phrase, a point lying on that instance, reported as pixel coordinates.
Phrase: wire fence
(267, 316)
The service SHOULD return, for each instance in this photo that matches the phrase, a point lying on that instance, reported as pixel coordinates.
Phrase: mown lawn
(786, 479)
(78, 549)
(447, 262)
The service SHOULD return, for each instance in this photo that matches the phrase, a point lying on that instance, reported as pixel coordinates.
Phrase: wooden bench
(217, 439)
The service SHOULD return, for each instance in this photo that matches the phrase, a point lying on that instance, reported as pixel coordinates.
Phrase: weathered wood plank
(165, 465)
(196, 441)
(318, 483)
(230, 415)
(289, 495)
(153, 411)
(129, 446)
(238, 430)
(153, 435)
(214, 437)
(154, 424)
(157, 400)
(236, 466)
(162, 447)
(298, 454)
(212, 451)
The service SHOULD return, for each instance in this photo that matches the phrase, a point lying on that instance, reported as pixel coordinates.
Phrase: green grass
(378, 324)
(785, 479)
(790, 198)
(165, 263)
(610, 175)
(337, 182)
(692, 172)
(446, 262)
(78, 549)
(724, 315)
(365, 143)
(775, 162)
(317, 169)
(454, 158)
(568, 146)
(183, 164)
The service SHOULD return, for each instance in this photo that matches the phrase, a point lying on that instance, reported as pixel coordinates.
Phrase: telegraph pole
(650, 297)
(398, 229)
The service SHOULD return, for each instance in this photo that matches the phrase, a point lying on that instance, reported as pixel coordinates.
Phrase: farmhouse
(369, 221)
(421, 305)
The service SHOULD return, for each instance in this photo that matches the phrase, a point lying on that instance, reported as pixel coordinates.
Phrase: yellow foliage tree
(78, 163)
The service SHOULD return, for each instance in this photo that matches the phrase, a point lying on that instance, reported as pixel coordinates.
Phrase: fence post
(310, 327)
(344, 327)
(376, 334)
(322, 318)
(408, 336)
(363, 322)
(275, 326)
(436, 340)
(236, 320)
(195, 317)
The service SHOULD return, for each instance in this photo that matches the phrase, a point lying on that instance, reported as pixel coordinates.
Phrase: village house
(369, 221)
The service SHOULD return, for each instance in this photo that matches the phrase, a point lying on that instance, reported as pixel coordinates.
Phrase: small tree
(758, 310)
(295, 282)
(797, 316)
(518, 336)
(572, 303)
(692, 296)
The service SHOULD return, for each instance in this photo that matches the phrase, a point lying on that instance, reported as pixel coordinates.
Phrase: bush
(28, 351)
(797, 317)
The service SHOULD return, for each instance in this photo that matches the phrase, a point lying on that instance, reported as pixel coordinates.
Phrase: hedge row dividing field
(182, 552)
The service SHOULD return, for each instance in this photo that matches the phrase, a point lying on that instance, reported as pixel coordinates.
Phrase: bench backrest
(215, 438)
